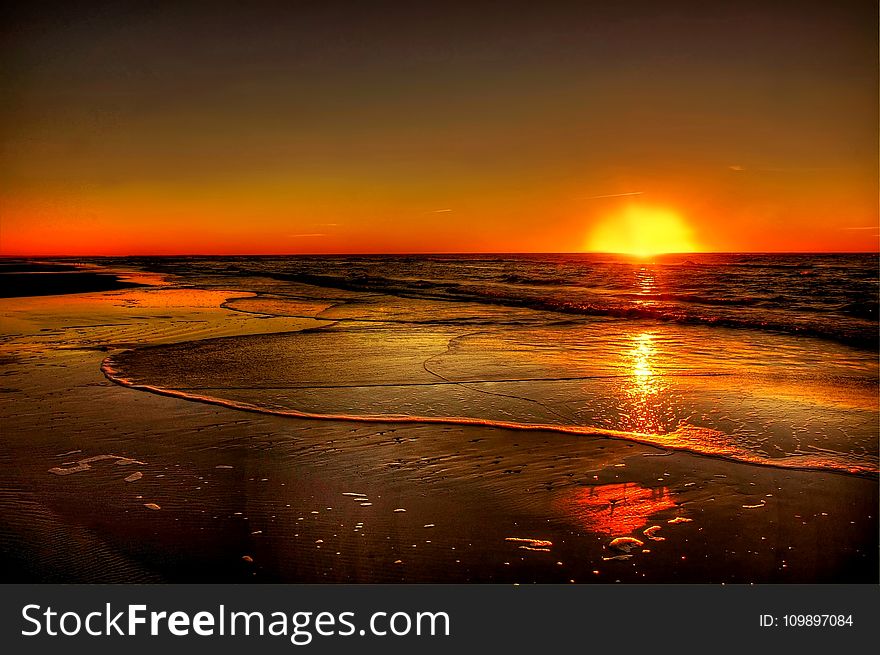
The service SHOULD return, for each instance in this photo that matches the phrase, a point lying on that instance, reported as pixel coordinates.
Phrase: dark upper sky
(332, 127)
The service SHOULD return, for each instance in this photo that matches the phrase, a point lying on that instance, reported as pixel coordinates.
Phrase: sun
(642, 231)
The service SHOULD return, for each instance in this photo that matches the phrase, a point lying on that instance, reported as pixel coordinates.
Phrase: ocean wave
(700, 299)
(623, 306)
(686, 438)
(826, 296)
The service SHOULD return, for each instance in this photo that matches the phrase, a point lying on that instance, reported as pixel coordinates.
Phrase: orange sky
(481, 129)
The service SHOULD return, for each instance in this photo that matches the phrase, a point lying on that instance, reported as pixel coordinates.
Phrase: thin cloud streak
(615, 195)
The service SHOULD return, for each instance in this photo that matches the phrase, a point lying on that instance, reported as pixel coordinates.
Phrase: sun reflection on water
(643, 399)
(642, 354)
(645, 282)
(618, 509)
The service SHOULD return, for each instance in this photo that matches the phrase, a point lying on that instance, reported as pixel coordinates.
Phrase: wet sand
(225, 495)
(47, 279)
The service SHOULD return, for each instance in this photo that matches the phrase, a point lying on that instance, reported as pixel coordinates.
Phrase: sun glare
(642, 232)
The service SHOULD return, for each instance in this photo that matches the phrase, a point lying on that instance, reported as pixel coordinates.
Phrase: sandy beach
(105, 483)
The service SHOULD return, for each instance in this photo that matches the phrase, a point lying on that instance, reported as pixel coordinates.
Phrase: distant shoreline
(40, 280)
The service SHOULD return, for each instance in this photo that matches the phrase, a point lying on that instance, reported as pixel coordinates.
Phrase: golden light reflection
(642, 231)
(645, 285)
(618, 509)
(643, 404)
(642, 354)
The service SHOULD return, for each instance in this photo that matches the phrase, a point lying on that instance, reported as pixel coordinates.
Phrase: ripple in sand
(86, 464)
(153, 506)
(137, 475)
(626, 544)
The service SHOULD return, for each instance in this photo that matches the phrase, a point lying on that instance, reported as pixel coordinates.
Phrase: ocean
(765, 359)
(490, 418)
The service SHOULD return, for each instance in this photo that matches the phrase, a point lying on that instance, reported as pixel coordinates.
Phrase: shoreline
(31, 285)
(231, 485)
(112, 374)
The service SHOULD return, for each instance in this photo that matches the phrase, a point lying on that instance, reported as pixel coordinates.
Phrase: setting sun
(642, 232)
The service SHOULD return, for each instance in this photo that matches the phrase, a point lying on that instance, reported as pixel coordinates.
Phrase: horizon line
(442, 253)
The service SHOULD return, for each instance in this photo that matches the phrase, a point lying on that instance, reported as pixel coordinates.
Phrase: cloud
(615, 195)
